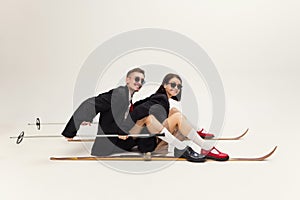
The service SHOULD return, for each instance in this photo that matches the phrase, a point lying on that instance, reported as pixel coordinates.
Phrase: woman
(153, 112)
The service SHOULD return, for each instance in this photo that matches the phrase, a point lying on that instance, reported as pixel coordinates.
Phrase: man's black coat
(112, 106)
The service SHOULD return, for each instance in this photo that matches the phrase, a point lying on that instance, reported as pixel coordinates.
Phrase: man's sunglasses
(138, 79)
(173, 85)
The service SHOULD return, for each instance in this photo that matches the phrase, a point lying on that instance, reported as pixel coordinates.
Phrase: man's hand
(123, 137)
(84, 123)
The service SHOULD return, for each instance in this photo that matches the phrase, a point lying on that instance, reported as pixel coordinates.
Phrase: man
(113, 107)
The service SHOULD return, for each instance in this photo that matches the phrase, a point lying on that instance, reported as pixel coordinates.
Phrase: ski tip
(246, 131)
(239, 137)
(262, 158)
(269, 154)
(232, 138)
(274, 149)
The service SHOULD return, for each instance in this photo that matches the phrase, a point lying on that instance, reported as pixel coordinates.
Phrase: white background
(254, 45)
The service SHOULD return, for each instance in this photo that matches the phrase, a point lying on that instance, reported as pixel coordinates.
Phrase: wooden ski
(231, 138)
(153, 158)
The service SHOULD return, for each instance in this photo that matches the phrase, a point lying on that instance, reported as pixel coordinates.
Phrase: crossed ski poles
(38, 124)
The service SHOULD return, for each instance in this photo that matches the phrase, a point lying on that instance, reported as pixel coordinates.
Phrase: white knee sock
(193, 135)
(170, 139)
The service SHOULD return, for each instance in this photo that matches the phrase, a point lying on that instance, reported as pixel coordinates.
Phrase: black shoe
(189, 154)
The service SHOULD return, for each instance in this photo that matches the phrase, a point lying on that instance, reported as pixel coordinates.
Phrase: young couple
(151, 114)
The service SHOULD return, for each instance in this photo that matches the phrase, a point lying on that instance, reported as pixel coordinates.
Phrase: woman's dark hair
(167, 78)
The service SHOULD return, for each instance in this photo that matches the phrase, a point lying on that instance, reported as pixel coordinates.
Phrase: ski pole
(22, 136)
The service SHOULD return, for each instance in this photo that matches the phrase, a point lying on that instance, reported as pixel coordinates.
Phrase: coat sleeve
(86, 112)
(141, 102)
(102, 103)
(92, 106)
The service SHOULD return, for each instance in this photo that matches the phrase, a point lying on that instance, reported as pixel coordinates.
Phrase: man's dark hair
(135, 70)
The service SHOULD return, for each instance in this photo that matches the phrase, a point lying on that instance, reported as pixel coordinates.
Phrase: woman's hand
(123, 137)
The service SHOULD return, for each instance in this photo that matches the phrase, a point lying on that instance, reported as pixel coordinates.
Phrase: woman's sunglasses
(173, 85)
(138, 79)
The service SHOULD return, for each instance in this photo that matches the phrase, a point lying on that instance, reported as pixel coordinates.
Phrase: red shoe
(219, 156)
(205, 135)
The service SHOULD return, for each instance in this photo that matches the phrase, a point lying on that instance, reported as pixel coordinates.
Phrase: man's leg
(126, 145)
(146, 144)
(105, 146)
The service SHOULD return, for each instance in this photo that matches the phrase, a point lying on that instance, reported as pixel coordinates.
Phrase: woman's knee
(173, 111)
(141, 122)
(177, 116)
(149, 119)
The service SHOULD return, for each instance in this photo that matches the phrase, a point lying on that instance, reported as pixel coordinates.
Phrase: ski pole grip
(159, 134)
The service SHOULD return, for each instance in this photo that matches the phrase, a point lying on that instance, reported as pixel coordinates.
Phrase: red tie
(131, 107)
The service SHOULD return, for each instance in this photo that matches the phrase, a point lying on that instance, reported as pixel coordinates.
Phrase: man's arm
(86, 112)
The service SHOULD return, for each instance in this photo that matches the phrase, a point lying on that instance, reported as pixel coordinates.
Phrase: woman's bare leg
(175, 121)
(179, 121)
(152, 124)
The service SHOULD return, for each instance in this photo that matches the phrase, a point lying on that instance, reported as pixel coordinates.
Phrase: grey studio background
(253, 44)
